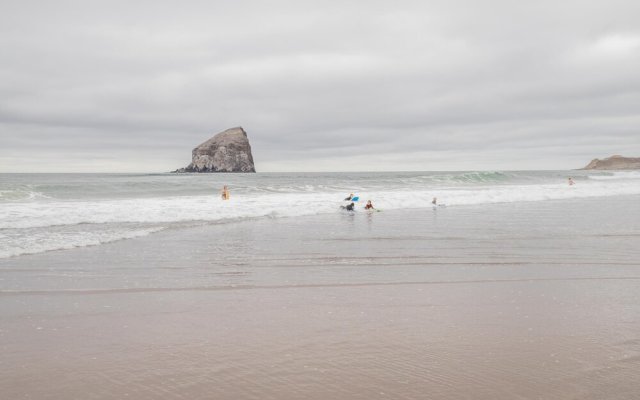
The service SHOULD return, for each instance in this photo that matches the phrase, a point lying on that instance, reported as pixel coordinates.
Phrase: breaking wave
(33, 220)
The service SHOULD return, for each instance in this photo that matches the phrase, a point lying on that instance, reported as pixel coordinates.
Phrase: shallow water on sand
(522, 300)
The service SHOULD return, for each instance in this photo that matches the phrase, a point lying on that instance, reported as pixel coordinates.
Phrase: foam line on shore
(64, 217)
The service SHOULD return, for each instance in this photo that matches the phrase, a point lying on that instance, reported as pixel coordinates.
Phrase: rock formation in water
(614, 162)
(228, 151)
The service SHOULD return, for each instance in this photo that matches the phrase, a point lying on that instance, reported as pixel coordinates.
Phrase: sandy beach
(509, 301)
(416, 200)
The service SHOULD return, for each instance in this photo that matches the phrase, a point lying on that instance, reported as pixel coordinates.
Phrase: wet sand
(518, 301)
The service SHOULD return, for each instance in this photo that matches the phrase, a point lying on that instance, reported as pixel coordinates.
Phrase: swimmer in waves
(349, 207)
(225, 193)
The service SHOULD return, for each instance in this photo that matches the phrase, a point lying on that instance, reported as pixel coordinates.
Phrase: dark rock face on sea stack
(614, 162)
(228, 151)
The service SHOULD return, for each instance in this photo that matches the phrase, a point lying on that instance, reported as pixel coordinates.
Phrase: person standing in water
(225, 193)
(571, 182)
(434, 201)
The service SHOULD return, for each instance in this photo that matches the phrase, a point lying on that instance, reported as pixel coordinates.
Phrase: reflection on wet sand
(398, 305)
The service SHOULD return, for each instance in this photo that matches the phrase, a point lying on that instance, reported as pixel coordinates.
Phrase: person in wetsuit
(348, 207)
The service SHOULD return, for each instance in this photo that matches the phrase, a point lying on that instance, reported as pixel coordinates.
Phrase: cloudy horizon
(319, 86)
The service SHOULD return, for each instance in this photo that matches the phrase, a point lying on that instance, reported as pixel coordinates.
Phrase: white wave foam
(211, 208)
(32, 227)
(15, 244)
(14, 195)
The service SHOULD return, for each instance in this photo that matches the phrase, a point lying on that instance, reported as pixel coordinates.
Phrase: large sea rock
(228, 151)
(614, 162)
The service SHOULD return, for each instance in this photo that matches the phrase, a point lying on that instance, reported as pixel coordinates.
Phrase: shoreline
(160, 227)
(526, 300)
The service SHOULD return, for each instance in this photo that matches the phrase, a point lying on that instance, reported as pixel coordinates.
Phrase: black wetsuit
(348, 207)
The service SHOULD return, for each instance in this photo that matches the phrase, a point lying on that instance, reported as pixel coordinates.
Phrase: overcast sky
(89, 86)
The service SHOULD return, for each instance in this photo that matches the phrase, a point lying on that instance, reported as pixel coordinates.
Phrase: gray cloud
(319, 85)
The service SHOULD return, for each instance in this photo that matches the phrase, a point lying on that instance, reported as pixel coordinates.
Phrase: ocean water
(499, 295)
(46, 212)
(519, 300)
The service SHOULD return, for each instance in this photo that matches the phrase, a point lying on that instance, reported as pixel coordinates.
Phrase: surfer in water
(369, 206)
(225, 193)
(435, 205)
(571, 182)
(349, 207)
(349, 198)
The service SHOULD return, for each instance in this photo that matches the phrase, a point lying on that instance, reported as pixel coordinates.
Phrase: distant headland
(614, 162)
(228, 151)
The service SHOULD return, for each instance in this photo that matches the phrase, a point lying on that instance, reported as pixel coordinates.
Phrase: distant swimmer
(369, 206)
(571, 182)
(348, 207)
(225, 193)
(435, 205)
(349, 198)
